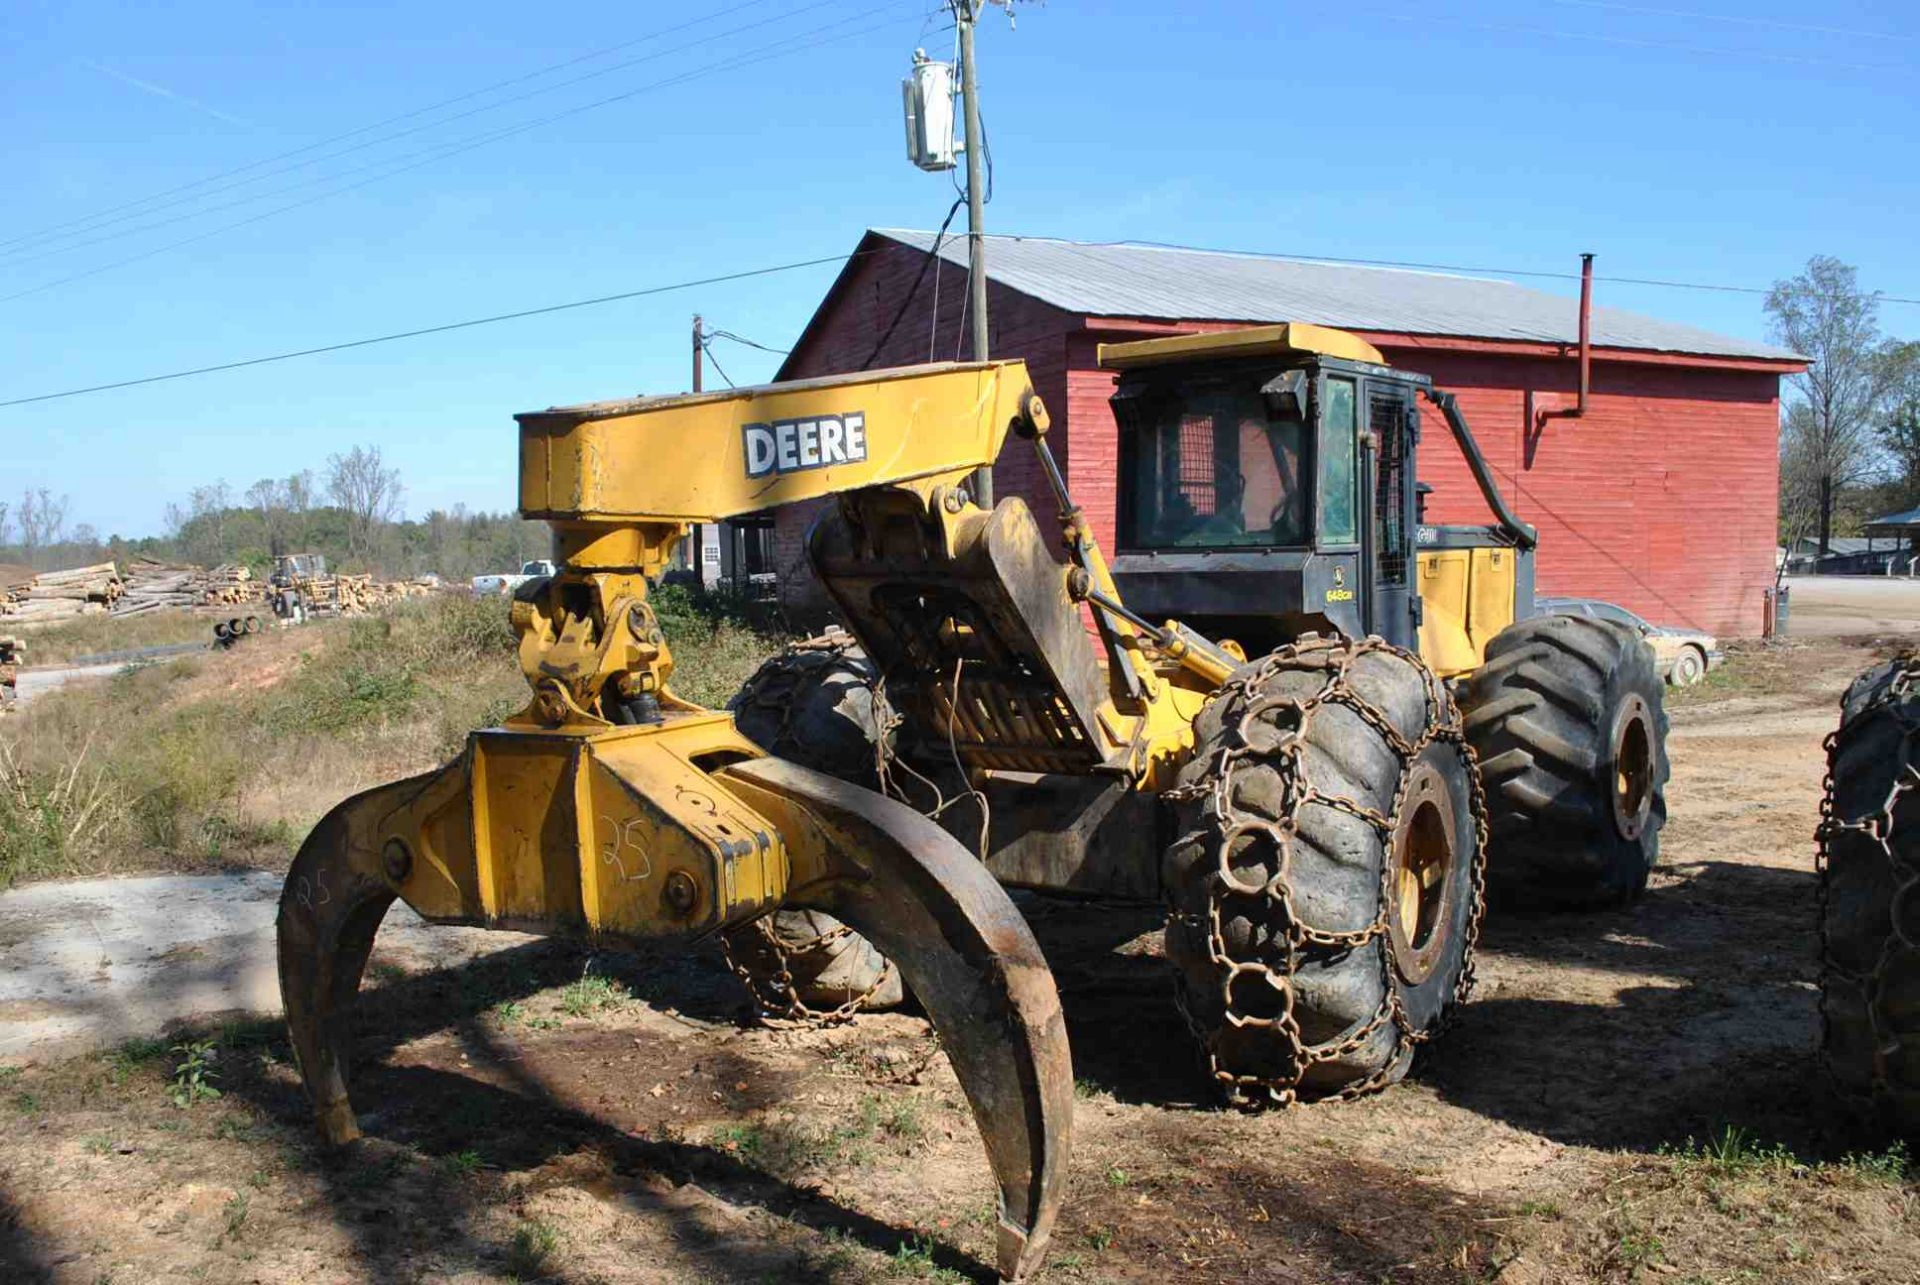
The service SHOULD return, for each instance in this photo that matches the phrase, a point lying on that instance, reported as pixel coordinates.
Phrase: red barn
(1662, 498)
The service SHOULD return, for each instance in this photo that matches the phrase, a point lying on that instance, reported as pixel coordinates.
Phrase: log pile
(150, 585)
(57, 595)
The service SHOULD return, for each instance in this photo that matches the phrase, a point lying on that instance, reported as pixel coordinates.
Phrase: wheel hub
(1633, 767)
(1420, 887)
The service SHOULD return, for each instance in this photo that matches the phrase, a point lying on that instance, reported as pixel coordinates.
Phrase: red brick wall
(1662, 499)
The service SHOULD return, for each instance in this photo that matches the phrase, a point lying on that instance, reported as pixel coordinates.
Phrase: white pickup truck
(489, 586)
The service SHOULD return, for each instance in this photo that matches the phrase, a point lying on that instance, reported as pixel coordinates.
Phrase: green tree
(1828, 436)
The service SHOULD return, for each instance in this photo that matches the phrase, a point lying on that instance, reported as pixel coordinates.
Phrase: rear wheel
(1567, 718)
(1325, 887)
(1689, 667)
(817, 704)
(1870, 897)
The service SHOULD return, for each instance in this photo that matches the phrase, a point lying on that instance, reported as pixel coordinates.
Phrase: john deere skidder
(1314, 817)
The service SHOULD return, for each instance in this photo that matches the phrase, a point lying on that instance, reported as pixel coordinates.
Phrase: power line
(382, 124)
(742, 339)
(441, 329)
(790, 45)
(34, 252)
(706, 346)
(27, 250)
(1634, 42)
(1742, 19)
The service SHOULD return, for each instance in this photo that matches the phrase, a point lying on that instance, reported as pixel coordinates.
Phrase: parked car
(487, 586)
(1683, 655)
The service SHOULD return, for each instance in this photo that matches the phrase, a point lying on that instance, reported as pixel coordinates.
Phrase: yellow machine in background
(1313, 817)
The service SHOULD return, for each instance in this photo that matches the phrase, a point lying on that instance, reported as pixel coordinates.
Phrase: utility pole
(697, 346)
(696, 540)
(964, 12)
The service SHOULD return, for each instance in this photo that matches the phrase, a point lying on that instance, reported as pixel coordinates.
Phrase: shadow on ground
(1692, 1010)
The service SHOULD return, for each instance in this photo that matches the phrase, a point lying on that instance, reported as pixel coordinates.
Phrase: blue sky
(1719, 141)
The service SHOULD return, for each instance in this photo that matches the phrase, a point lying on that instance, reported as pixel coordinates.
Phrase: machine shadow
(420, 1121)
(1687, 1012)
(23, 1258)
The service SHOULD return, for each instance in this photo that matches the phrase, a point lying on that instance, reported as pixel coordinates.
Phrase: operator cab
(1267, 484)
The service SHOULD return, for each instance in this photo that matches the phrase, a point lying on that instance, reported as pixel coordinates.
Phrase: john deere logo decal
(796, 445)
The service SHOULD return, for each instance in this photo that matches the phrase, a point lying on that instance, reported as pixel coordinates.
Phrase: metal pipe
(1521, 533)
(1579, 408)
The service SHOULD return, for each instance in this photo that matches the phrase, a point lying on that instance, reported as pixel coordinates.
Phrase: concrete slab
(38, 682)
(92, 963)
(1842, 606)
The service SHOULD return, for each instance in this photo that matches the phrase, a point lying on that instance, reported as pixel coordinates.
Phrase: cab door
(1391, 428)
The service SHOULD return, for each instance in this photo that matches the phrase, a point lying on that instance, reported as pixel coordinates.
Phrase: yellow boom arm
(609, 808)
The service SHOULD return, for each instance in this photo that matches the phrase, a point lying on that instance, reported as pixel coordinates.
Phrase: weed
(1538, 1209)
(507, 1012)
(98, 1144)
(1085, 1090)
(533, 1244)
(237, 1129)
(1117, 1177)
(914, 1258)
(1894, 1165)
(460, 1164)
(194, 1075)
(133, 1055)
(236, 1213)
(8, 1074)
(26, 1103)
(1099, 1238)
(591, 994)
(1637, 1248)
(897, 1117)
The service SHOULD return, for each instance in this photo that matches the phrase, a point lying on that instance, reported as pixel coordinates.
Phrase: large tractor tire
(1567, 718)
(1870, 898)
(817, 704)
(1324, 886)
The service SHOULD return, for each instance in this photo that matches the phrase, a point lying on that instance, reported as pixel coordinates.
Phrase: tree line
(1850, 424)
(350, 511)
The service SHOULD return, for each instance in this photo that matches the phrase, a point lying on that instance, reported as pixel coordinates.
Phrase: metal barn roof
(1127, 280)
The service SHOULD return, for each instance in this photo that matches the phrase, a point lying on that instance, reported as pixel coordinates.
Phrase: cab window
(1338, 475)
(1216, 469)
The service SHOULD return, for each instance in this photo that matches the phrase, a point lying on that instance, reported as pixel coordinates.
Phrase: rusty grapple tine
(331, 907)
(967, 953)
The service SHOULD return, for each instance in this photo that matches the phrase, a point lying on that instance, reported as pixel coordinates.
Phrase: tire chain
(1877, 827)
(775, 998)
(1215, 789)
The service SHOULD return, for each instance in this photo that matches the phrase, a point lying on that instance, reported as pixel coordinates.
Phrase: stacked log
(56, 595)
(152, 586)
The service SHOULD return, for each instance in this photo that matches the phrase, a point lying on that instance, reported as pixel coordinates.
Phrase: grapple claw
(335, 896)
(967, 953)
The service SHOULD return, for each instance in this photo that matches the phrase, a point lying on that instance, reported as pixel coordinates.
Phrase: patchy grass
(532, 1247)
(1735, 1207)
(83, 636)
(787, 1147)
(591, 994)
(1752, 668)
(228, 759)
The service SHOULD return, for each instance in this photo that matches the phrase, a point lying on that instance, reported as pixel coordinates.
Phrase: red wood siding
(1662, 499)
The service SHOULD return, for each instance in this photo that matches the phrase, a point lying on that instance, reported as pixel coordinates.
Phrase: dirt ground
(1630, 1096)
